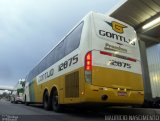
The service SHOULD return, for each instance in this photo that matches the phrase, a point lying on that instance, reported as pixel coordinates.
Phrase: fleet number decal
(68, 63)
(120, 64)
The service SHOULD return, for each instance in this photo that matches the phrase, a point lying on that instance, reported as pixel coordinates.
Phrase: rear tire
(46, 101)
(55, 105)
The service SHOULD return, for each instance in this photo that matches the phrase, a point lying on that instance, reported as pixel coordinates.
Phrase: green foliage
(21, 90)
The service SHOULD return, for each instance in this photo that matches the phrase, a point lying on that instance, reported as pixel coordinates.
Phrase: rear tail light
(88, 67)
(88, 61)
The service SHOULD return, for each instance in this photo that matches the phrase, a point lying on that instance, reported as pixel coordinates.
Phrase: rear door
(116, 58)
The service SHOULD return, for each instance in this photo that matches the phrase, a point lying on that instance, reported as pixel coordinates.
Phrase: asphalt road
(20, 112)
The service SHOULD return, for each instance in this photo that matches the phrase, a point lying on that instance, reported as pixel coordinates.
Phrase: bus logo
(117, 27)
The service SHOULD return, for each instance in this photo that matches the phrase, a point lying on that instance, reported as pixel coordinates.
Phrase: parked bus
(98, 61)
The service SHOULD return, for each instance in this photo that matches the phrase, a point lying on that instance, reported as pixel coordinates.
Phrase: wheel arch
(45, 90)
(54, 88)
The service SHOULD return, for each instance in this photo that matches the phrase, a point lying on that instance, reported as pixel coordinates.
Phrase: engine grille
(72, 85)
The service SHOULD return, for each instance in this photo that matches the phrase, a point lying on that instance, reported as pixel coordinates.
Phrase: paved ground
(20, 112)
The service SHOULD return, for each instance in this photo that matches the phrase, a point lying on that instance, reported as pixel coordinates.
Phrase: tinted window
(73, 39)
(70, 43)
(51, 58)
(36, 70)
(42, 65)
(30, 76)
(60, 50)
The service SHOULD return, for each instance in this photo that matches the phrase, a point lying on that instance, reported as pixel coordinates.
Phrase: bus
(97, 62)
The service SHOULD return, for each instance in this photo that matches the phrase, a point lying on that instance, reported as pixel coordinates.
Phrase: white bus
(98, 61)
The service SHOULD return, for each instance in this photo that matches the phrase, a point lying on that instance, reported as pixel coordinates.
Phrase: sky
(30, 28)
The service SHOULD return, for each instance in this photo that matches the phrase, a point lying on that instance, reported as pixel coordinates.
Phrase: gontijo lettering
(46, 75)
(116, 37)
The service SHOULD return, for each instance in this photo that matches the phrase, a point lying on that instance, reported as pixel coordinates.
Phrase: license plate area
(122, 93)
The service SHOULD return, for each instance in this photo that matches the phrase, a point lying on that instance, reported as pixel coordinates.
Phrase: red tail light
(88, 61)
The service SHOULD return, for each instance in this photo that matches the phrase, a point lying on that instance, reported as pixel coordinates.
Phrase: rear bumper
(95, 94)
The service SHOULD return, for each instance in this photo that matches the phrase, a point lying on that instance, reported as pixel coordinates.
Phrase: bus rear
(113, 67)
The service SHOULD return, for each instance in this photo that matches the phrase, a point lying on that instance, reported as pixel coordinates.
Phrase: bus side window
(51, 58)
(73, 39)
(60, 49)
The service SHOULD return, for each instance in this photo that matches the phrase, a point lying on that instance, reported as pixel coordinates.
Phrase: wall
(153, 57)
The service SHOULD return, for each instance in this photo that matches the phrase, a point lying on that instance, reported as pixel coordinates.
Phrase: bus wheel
(46, 101)
(55, 106)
